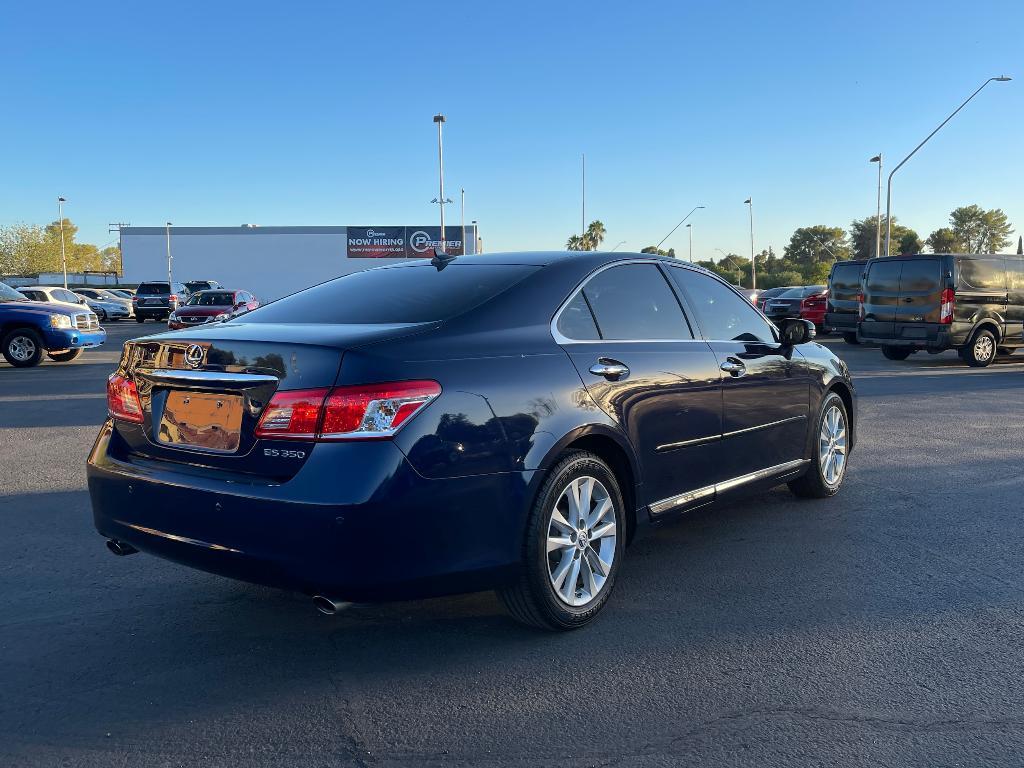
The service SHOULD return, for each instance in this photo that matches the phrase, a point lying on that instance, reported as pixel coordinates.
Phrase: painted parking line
(38, 398)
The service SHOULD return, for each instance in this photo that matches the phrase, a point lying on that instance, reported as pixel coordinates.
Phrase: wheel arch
(841, 388)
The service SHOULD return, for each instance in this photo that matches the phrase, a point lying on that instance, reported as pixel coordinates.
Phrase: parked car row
(106, 305)
(973, 303)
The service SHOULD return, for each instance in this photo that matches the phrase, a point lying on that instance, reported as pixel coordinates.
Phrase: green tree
(944, 240)
(671, 252)
(780, 279)
(981, 231)
(810, 247)
(910, 243)
(862, 236)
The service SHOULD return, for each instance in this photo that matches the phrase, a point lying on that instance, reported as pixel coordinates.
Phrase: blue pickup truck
(29, 328)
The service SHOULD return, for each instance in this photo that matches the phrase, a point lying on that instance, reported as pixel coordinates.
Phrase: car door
(766, 386)
(1014, 300)
(630, 341)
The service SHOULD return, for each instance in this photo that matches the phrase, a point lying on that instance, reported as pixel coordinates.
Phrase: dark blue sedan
(507, 422)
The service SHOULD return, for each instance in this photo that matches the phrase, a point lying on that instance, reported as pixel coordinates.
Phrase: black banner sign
(404, 242)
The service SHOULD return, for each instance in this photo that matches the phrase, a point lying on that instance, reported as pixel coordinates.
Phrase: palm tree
(595, 235)
(577, 243)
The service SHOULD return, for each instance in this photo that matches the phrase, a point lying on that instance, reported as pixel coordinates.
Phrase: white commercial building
(272, 262)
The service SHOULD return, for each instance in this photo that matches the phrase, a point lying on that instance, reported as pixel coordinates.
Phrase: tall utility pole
(170, 284)
(583, 209)
(753, 264)
(120, 243)
(464, 221)
(888, 194)
(441, 200)
(63, 258)
(689, 228)
(878, 217)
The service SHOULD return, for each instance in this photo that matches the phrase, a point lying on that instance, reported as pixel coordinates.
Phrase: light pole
(170, 285)
(463, 221)
(583, 199)
(677, 226)
(689, 228)
(63, 258)
(878, 216)
(753, 264)
(888, 193)
(476, 236)
(440, 199)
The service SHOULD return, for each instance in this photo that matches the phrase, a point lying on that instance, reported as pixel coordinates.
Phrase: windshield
(414, 294)
(9, 294)
(211, 299)
(802, 292)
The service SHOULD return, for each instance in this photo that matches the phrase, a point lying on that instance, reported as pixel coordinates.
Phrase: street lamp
(63, 258)
(689, 228)
(753, 264)
(476, 236)
(440, 199)
(621, 242)
(666, 237)
(170, 285)
(888, 194)
(878, 216)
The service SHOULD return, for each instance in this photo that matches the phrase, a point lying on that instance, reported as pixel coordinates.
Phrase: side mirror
(795, 331)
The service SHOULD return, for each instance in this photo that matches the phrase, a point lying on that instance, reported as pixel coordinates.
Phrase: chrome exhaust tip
(329, 607)
(119, 548)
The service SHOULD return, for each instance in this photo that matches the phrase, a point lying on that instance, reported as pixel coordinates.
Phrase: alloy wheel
(22, 348)
(984, 347)
(832, 445)
(581, 541)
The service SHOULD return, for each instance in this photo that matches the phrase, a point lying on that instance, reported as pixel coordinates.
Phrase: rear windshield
(414, 294)
(846, 276)
(920, 275)
(801, 292)
(884, 276)
(212, 299)
(153, 288)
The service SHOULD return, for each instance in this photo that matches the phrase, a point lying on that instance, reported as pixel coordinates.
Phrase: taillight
(366, 411)
(135, 299)
(294, 414)
(860, 306)
(173, 299)
(946, 310)
(123, 399)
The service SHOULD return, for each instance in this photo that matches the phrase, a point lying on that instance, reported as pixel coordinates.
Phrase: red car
(204, 306)
(807, 302)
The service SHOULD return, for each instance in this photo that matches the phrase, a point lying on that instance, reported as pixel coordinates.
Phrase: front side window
(723, 316)
(67, 296)
(634, 302)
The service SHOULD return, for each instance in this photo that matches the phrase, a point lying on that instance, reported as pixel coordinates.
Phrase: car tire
(22, 348)
(66, 356)
(980, 351)
(829, 459)
(850, 338)
(542, 595)
(139, 319)
(101, 314)
(895, 353)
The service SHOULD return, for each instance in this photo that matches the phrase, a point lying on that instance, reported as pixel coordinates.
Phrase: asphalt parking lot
(881, 627)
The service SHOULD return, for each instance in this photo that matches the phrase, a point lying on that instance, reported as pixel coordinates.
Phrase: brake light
(173, 298)
(366, 411)
(135, 299)
(860, 306)
(123, 399)
(946, 310)
(294, 414)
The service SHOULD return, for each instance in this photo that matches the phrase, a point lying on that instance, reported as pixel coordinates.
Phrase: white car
(100, 297)
(57, 295)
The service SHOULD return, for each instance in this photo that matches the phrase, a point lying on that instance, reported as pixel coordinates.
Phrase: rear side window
(576, 321)
(723, 316)
(884, 277)
(920, 275)
(846, 277)
(153, 288)
(983, 274)
(1015, 274)
(414, 294)
(633, 302)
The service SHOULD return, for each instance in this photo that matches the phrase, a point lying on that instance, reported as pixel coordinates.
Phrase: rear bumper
(355, 523)
(70, 338)
(841, 322)
(914, 335)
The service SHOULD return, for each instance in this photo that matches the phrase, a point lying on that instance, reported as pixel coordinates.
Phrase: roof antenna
(441, 259)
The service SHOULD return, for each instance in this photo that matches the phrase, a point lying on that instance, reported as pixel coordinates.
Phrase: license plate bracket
(201, 421)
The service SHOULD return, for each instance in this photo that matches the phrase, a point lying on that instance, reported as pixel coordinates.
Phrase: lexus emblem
(194, 356)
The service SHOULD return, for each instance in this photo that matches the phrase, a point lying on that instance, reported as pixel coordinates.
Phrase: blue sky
(320, 113)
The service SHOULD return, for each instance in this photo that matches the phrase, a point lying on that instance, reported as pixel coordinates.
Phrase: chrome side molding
(708, 492)
(181, 376)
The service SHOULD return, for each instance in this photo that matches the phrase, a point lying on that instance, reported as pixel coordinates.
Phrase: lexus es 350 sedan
(507, 422)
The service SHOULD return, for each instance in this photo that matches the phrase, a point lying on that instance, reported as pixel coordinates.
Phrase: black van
(842, 310)
(971, 303)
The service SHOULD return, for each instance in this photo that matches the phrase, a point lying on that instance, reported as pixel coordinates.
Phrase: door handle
(612, 370)
(734, 368)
